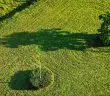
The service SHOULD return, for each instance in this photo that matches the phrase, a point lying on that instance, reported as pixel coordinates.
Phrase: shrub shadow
(18, 9)
(52, 39)
(20, 81)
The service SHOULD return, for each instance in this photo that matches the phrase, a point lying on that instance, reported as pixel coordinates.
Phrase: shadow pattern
(20, 81)
(18, 9)
(52, 39)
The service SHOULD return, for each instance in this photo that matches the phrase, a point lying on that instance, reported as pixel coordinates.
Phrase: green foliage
(40, 78)
(105, 28)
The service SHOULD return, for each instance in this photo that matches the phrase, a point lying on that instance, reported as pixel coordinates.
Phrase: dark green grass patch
(52, 39)
(20, 81)
(31, 79)
(77, 73)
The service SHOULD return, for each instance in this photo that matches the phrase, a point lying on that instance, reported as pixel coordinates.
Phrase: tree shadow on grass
(18, 9)
(20, 81)
(51, 39)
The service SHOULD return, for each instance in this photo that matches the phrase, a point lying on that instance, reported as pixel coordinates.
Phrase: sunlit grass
(8, 5)
(77, 73)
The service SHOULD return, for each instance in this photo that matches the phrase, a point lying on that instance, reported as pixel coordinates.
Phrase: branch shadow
(20, 81)
(51, 40)
(18, 9)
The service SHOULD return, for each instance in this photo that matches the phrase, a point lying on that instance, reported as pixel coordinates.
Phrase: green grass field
(64, 31)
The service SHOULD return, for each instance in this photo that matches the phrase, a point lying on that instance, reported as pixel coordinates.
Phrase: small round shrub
(40, 78)
(105, 29)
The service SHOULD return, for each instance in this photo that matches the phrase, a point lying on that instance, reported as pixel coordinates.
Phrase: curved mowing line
(33, 68)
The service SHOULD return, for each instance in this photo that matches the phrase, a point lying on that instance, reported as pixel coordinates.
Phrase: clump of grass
(40, 78)
(105, 28)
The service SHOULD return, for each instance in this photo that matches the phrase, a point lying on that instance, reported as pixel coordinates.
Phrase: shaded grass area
(78, 73)
(17, 9)
(20, 81)
(52, 39)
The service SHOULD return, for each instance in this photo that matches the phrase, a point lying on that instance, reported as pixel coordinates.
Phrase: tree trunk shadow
(52, 39)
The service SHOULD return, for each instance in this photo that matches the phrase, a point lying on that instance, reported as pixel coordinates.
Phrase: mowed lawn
(64, 31)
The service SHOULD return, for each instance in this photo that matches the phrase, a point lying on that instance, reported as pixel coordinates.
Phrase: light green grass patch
(77, 73)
